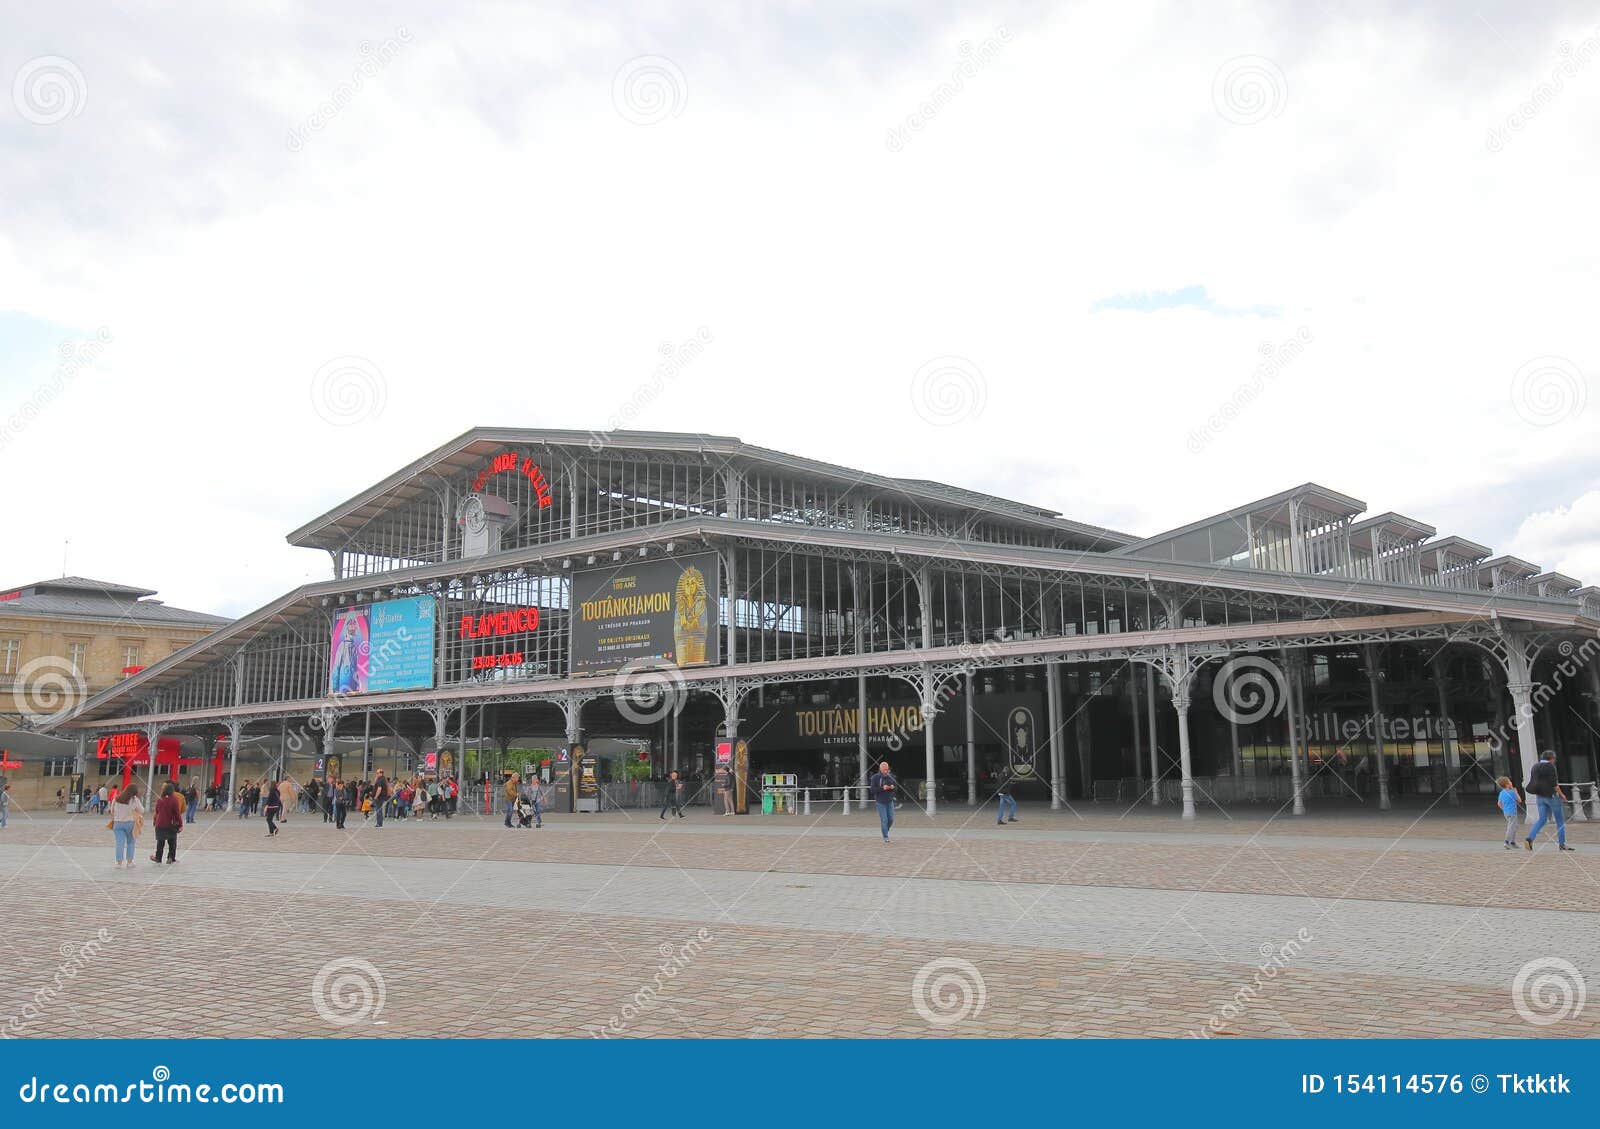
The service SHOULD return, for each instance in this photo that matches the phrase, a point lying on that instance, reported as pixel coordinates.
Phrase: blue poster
(400, 645)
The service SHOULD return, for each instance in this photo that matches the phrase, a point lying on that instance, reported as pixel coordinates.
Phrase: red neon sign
(499, 623)
(134, 749)
(10, 595)
(526, 467)
(490, 662)
(7, 762)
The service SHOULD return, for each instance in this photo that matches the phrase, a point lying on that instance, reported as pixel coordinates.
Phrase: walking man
(1542, 784)
(380, 795)
(1007, 801)
(511, 792)
(672, 801)
(882, 786)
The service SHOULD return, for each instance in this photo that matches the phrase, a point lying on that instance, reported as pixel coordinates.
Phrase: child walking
(1508, 808)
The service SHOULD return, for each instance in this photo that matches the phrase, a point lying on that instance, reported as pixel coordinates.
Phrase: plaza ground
(1094, 923)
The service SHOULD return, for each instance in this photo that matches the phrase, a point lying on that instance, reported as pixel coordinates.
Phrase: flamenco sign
(492, 624)
(508, 462)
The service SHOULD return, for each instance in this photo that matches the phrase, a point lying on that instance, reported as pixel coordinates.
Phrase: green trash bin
(766, 803)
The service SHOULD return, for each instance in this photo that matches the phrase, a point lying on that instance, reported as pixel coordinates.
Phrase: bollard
(1594, 800)
(1578, 814)
(807, 801)
(847, 801)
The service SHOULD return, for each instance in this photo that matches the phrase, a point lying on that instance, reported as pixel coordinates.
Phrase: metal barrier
(828, 797)
(1580, 797)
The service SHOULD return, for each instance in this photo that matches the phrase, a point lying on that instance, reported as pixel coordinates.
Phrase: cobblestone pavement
(618, 925)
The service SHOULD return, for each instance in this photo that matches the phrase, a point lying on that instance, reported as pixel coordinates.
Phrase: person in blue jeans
(1007, 802)
(882, 786)
(1543, 785)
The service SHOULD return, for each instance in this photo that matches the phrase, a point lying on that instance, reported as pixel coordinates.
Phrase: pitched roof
(77, 597)
(469, 448)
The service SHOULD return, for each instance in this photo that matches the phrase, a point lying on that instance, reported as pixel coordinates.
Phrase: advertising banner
(386, 646)
(1020, 743)
(1013, 720)
(588, 767)
(646, 612)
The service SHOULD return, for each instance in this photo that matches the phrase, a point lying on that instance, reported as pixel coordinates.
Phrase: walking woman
(127, 816)
(169, 821)
(273, 807)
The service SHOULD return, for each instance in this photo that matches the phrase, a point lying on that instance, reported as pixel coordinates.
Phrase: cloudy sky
(1135, 262)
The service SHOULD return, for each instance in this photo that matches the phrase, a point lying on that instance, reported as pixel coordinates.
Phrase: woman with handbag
(127, 817)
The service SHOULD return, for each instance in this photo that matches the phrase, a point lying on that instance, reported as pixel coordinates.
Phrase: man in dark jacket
(671, 800)
(380, 795)
(882, 787)
(169, 820)
(1542, 783)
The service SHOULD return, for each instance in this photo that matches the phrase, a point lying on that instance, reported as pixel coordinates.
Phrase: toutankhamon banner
(646, 612)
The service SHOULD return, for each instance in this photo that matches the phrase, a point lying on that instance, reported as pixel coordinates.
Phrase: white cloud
(483, 226)
(1564, 539)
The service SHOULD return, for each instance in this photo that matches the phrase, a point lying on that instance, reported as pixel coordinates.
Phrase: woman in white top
(126, 815)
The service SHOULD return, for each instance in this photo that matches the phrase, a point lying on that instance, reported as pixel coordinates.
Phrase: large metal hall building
(694, 594)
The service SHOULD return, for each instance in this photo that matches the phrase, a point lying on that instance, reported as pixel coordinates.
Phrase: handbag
(111, 825)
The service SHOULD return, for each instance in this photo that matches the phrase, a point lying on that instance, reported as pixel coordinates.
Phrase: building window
(78, 655)
(10, 655)
(130, 654)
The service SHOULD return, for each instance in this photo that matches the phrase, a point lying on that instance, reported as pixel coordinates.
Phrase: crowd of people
(415, 797)
(419, 797)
